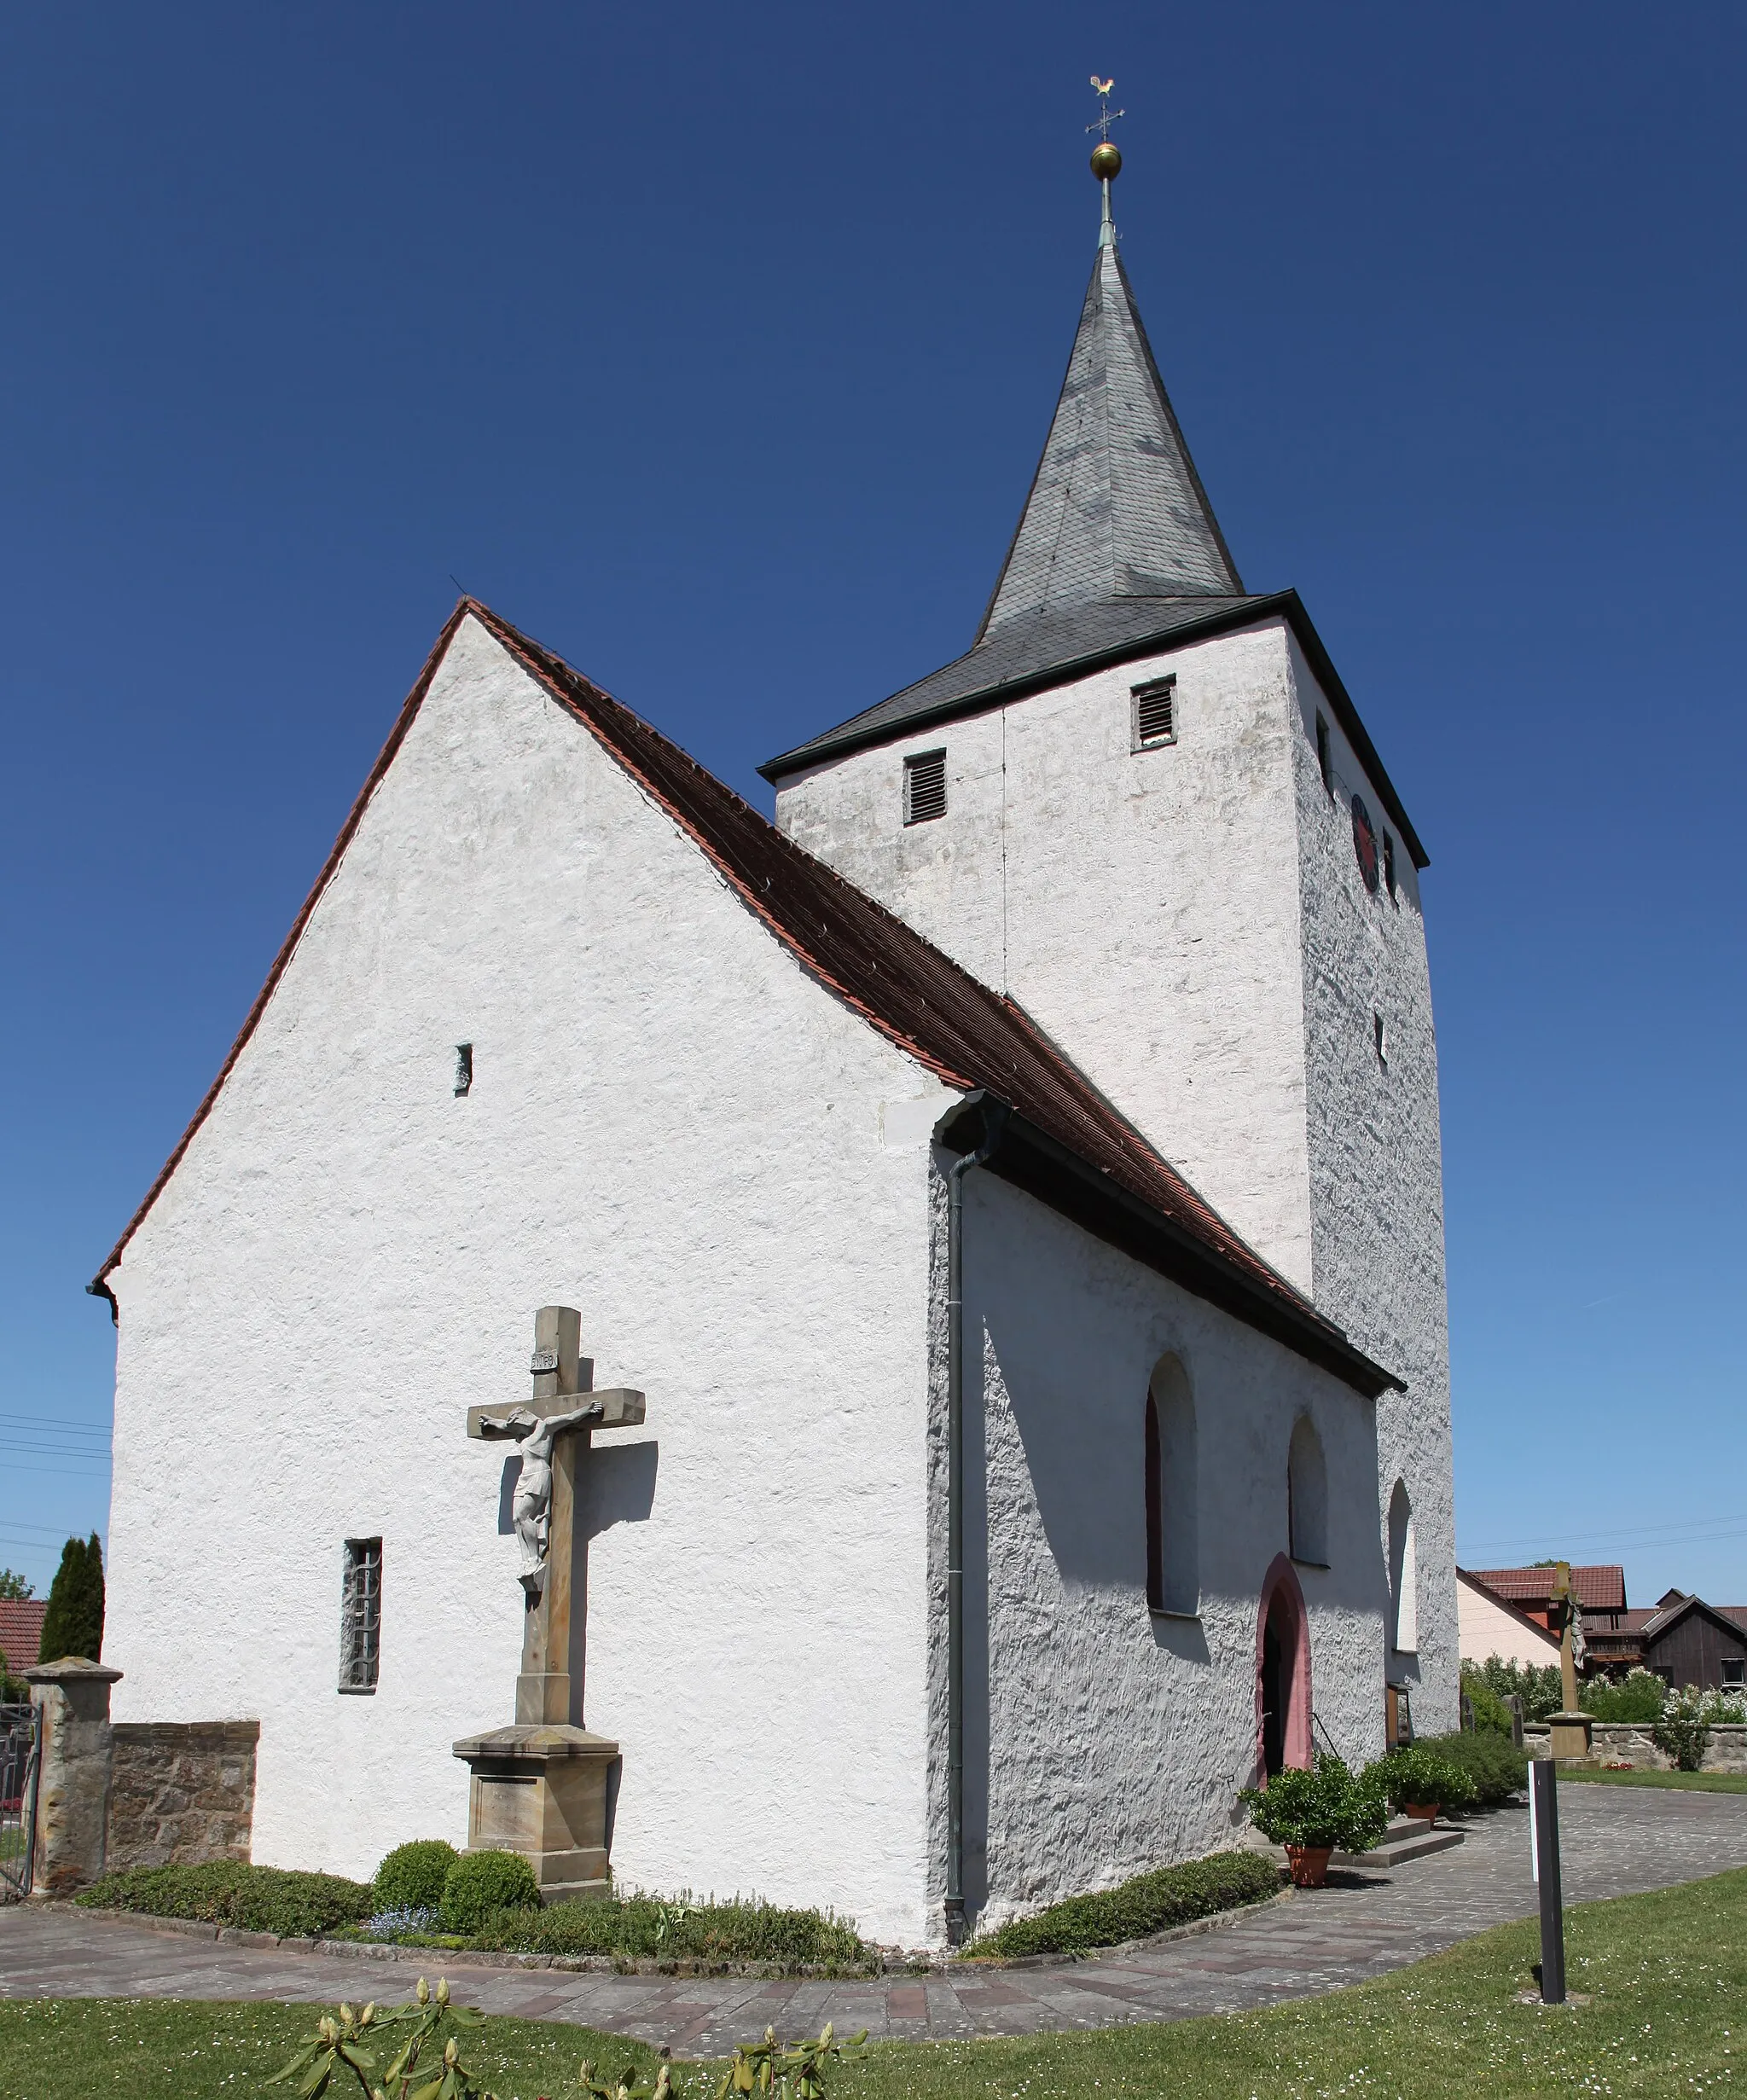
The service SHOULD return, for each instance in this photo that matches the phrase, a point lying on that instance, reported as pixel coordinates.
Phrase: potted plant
(1316, 1813)
(1420, 1782)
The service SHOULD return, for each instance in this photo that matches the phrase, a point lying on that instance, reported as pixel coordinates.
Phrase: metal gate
(18, 1799)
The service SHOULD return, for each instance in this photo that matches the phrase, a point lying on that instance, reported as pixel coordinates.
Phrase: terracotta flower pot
(1308, 1865)
(1422, 1812)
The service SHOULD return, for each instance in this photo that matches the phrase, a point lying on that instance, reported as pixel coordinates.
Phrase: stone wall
(181, 1793)
(1626, 1743)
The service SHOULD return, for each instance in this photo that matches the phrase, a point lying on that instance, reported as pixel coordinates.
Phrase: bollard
(1544, 1835)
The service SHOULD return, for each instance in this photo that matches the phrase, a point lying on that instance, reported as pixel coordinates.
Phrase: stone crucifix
(552, 1431)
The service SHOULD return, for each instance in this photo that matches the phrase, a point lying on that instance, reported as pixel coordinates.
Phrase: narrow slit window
(1324, 761)
(361, 1616)
(1389, 862)
(1380, 1036)
(1155, 714)
(463, 1068)
(925, 787)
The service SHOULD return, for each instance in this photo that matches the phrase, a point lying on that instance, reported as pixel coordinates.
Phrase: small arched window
(1403, 1575)
(1173, 1550)
(1307, 1496)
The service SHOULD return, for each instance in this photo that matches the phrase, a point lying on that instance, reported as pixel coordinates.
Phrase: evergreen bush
(1420, 1774)
(481, 1883)
(1495, 1767)
(644, 1928)
(231, 1892)
(1149, 1903)
(412, 1877)
(72, 1625)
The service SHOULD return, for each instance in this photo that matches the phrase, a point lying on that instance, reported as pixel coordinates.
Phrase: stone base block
(542, 1791)
(1568, 1737)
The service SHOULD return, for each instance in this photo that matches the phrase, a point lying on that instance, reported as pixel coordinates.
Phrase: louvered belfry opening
(1155, 713)
(925, 787)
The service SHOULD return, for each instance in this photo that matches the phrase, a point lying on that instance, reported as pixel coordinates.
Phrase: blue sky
(715, 348)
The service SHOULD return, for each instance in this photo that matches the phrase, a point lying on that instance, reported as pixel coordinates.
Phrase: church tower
(1143, 806)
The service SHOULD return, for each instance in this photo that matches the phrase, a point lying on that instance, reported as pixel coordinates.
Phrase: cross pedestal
(539, 1787)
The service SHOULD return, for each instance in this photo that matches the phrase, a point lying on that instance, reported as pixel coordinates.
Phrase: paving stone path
(1617, 1841)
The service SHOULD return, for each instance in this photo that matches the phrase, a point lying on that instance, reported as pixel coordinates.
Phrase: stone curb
(438, 1960)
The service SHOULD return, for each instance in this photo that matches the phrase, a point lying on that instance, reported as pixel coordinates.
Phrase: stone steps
(1407, 1837)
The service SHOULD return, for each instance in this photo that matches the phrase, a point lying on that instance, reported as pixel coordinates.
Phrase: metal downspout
(996, 1114)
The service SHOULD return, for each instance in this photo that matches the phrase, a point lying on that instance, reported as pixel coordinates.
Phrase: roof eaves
(1031, 1159)
(1000, 693)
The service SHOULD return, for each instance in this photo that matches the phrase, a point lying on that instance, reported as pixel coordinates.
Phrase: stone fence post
(71, 1699)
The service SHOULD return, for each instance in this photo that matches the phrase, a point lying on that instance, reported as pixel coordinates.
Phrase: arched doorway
(1282, 1673)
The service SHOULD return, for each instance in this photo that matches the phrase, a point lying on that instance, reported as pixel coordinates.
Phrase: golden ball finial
(1107, 162)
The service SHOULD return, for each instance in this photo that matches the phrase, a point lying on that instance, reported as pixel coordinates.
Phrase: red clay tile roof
(1598, 1589)
(22, 1630)
(969, 1035)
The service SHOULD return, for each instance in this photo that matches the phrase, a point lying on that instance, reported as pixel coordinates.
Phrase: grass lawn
(1666, 1975)
(1696, 1782)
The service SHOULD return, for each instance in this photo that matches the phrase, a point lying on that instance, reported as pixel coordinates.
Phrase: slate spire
(1116, 510)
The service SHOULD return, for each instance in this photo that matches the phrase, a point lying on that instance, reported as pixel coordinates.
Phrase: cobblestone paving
(1617, 1841)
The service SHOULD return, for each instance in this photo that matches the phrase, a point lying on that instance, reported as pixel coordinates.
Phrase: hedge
(230, 1892)
(480, 1884)
(1170, 1895)
(653, 1928)
(1497, 1769)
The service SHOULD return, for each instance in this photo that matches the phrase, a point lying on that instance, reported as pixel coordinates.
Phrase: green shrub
(1495, 1768)
(412, 1877)
(1637, 1697)
(1420, 1774)
(1541, 1689)
(230, 1892)
(1683, 1731)
(1169, 1895)
(642, 1927)
(480, 1882)
(1324, 1805)
(1491, 1716)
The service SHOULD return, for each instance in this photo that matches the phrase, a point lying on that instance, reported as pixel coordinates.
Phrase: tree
(14, 1589)
(73, 1623)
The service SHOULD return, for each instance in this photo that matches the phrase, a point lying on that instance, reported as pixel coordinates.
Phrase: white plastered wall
(670, 1127)
(1376, 1165)
(1142, 906)
(1189, 923)
(1101, 1738)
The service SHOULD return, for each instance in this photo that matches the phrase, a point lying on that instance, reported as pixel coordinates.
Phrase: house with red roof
(21, 1630)
(1011, 1179)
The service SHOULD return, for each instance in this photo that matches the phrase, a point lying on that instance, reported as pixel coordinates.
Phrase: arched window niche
(1307, 1496)
(1173, 1547)
(1403, 1575)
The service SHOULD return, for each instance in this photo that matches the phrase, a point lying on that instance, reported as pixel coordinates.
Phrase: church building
(1004, 1195)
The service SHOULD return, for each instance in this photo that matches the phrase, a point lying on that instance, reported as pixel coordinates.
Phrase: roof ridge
(924, 1003)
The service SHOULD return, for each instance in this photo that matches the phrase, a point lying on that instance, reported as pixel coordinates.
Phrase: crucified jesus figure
(532, 1506)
